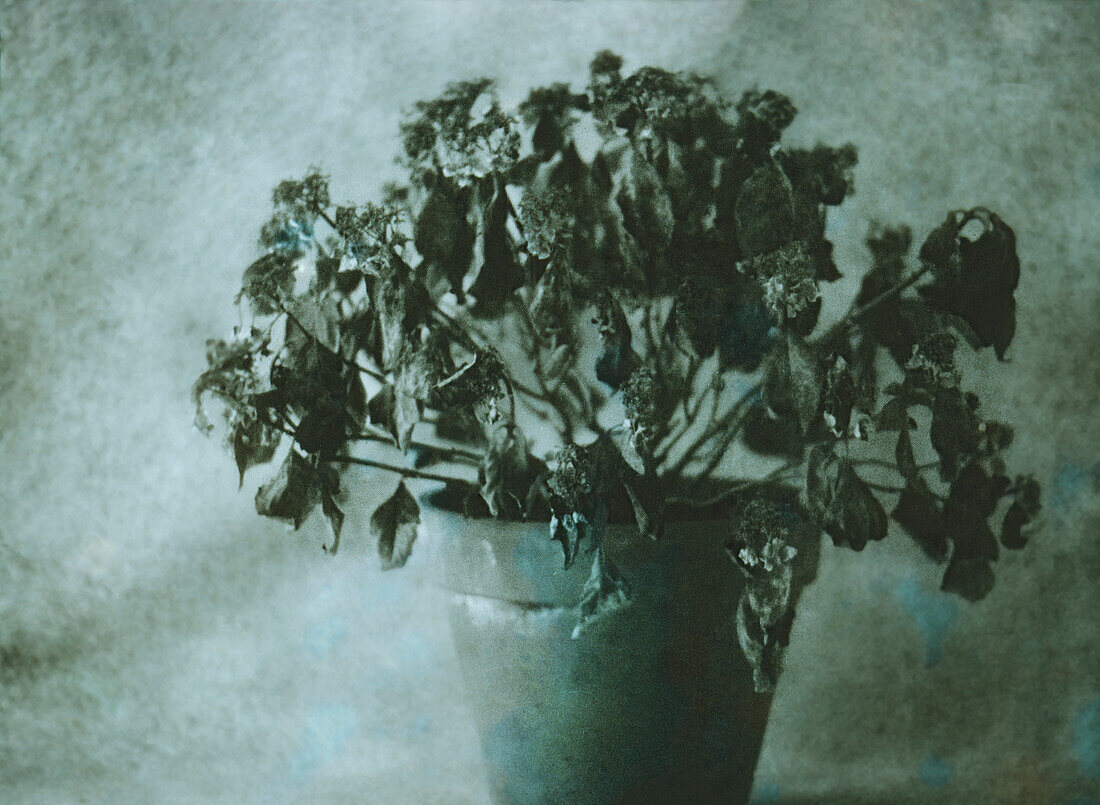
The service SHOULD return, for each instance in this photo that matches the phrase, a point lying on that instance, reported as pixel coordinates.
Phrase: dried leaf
(395, 524)
(604, 593)
(617, 360)
(507, 472)
(976, 280)
(903, 455)
(268, 281)
(292, 494)
(954, 430)
(499, 273)
(254, 442)
(764, 212)
(855, 516)
(1016, 518)
(970, 578)
(444, 237)
(919, 514)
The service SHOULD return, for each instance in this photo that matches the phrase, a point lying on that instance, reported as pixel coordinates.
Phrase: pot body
(652, 703)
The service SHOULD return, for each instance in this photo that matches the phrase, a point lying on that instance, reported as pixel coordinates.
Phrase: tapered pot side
(651, 703)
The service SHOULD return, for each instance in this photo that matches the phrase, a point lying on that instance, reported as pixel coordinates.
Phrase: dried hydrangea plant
(636, 268)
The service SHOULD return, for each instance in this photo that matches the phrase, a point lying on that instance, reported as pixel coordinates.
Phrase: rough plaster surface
(160, 643)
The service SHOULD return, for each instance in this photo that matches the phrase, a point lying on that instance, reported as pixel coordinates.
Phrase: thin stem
(885, 487)
(552, 397)
(405, 472)
(324, 215)
(727, 421)
(877, 462)
(447, 453)
(737, 486)
(348, 361)
(857, 313)
(459, 331)
(718, 454)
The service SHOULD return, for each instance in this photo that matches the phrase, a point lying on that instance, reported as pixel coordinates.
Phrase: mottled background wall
(160, 643)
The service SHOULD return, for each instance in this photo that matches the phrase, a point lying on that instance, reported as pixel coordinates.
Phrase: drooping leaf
(326, 270)
(568, 530)
(968, 577)
(894, 415)
(269, 281)
(254, 442)
(807, 380)
(696, 311)
(443, 236)
(822, 468)
(552, 305)
(794, 382)
(320, 317)
(903, 455)
(970, 503)
(762, 646)
(395, 524)
(309, 370)
(422, 366)
(397, 412)
(403, 305)
(919, 514)
(976, 279)
(646, 210)
(764, 212)
(292, 494)
(499, 274)
(855, 516)
(355, 401)
(507, 471)
(381, 411)
(839, 397)
(605, 592)
(617, 360)
(744, 334)
(459, 425)
(954, 430)
(407, 411)
(330, 506)
(646, 500)
(322, 429)
(347, 281)
(1012, 536)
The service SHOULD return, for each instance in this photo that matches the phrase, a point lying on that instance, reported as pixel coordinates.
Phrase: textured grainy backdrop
(160, 643)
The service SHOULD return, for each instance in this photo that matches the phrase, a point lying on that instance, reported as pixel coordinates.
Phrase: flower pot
(651, 703)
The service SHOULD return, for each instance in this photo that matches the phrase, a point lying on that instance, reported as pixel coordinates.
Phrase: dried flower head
(788, 278)
(762, 536)
(464, 133)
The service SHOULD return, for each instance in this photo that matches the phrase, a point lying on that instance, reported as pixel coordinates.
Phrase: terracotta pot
(653, 703)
